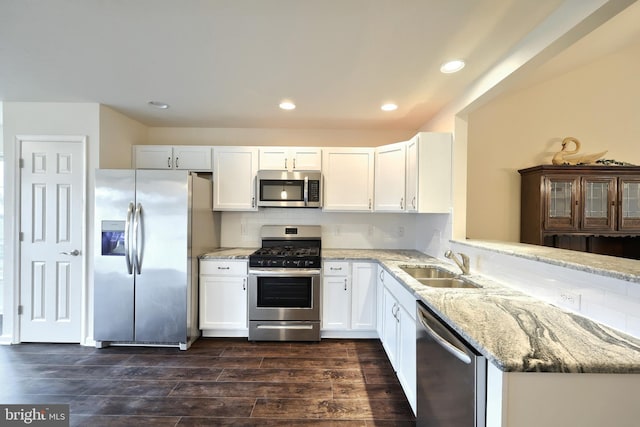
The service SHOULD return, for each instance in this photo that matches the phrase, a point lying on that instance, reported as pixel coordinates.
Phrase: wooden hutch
(586, 208)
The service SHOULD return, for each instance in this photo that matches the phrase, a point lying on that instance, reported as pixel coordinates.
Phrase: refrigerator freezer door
(113, 283)
(162, 255)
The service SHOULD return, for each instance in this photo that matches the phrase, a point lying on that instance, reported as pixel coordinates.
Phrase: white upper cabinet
(290, 158)
(234, 178)
(429, 173)
(348, 179)
(186, 157)
(390, 178)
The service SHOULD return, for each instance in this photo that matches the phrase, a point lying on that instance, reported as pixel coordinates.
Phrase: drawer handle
(335, 268)
(224, 268)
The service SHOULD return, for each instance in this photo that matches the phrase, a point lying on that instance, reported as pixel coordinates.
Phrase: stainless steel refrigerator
(151, 227)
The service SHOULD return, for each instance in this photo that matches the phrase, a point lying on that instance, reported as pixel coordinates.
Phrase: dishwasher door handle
(451, 348)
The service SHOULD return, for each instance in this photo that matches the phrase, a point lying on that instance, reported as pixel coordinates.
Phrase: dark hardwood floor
(217, 382)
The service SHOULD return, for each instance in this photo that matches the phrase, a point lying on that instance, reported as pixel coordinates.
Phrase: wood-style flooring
(217, 382)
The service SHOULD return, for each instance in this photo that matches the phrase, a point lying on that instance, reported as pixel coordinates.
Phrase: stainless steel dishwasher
(451, 376)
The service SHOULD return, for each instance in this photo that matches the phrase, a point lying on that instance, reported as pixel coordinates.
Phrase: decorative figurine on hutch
(560, 158)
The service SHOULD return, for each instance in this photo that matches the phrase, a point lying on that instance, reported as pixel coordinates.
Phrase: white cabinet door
(390, 177)
(379, 303)
(223, 297)
(389, 336)
(186, 157)
(193, 158)
(411, 184)
(348, 179)
(336, 302)
(363, 295)
(290, 158)
(274, 158)
(406, 354)
(223, 302)
(234, 175)
(153, 156)
(429, 173)
(399, 332)
(307, 158)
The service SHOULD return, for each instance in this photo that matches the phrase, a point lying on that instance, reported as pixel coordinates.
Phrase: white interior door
(51, 223)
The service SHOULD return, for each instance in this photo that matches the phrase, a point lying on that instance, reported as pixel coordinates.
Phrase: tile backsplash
(340, 230)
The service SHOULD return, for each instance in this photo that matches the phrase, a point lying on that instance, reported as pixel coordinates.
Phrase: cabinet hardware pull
(413, 202)
(253, 202)
(401, 202)
(285, 162)
(345, 284)
(169, 162)
(223, 268)
(369, 204)
(382, 276)
(335, 268)
(177, 164)
(294, 162)
(244, 284)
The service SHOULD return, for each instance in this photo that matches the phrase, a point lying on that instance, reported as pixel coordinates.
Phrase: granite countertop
(515, 331)
(610, 266)
(229, 253)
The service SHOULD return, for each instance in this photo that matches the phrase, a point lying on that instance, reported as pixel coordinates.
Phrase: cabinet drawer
(223, 268)
(335, 268)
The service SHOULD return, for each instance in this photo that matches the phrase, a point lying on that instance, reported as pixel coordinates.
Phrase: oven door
(284, 294)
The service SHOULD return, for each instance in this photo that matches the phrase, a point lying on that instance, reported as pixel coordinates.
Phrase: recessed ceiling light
(287, 105)
(452, 66)
(389, 106)
(158, 104)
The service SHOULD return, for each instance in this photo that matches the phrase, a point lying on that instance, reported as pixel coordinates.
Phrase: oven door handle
(285, 272)
(306, 191)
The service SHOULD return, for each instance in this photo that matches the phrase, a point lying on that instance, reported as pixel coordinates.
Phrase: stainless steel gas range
(284, 284)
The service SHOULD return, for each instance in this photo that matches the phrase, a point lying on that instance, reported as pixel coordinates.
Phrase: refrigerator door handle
(127, 239)
(137, 249)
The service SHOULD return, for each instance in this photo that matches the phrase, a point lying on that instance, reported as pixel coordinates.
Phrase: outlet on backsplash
(570, 300)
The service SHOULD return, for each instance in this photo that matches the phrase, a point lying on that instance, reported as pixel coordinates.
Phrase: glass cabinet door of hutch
(630, 201)
(561, 200)
(599, 203)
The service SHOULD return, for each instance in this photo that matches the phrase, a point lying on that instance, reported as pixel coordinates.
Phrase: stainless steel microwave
(302, 189)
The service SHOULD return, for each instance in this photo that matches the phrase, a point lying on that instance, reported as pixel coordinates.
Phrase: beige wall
(117, 134)
(275, 137)
(598, 103)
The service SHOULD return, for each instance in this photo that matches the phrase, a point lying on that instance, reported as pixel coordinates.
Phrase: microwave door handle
(306, 190)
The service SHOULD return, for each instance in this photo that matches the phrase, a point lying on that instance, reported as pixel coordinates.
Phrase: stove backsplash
(343, 230)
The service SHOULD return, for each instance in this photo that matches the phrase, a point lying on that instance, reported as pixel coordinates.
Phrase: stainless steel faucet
(464, 265)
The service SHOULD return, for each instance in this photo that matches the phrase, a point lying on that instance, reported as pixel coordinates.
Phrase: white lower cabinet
(349, 300)
(398, 333)
(223, 298)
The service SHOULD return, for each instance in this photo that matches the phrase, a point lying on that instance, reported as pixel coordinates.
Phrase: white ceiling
(228, 63)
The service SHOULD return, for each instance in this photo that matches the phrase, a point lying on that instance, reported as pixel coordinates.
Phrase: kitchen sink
(451, 282)
(428, 272)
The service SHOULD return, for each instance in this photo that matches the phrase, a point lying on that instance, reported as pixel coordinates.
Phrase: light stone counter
(516, 332)
(229, 253)
(618, 268)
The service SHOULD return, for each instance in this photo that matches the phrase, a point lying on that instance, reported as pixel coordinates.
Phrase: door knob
(74, 252)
